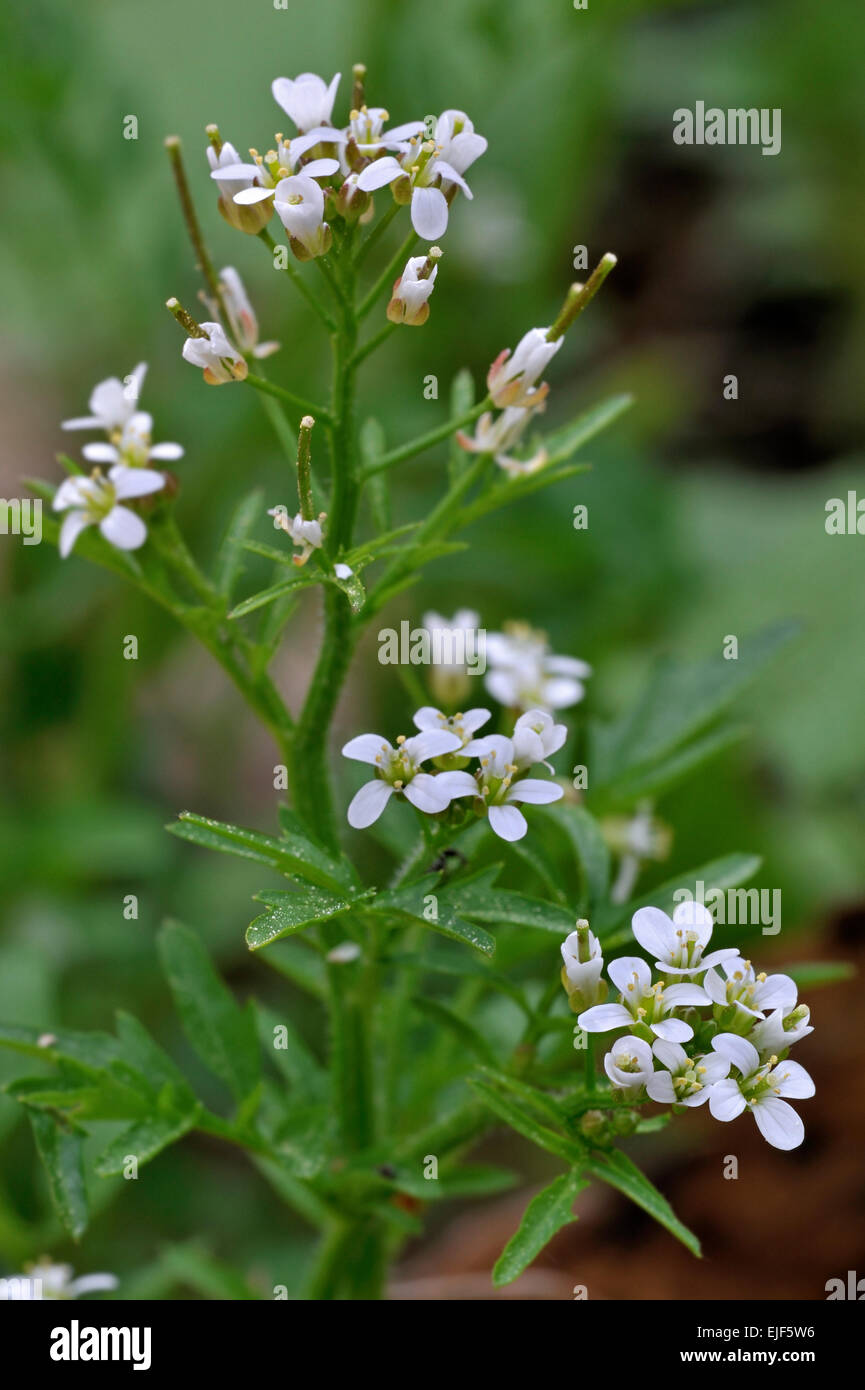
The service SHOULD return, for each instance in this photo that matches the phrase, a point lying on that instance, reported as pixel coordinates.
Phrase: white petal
(123, 529)
(473, 719)
(166, 451)
(660, 1088)
(793, 1081)
(726, 1101)
(670, 1055)
(742, 1054)
(424, 792)
(696, 917)
(320, 168)
(603, 1017)
(380, 172)
(235, 171)
(654, 931)
(432, 743)
(532, 790)
(100, 453)
(367, 748)
(673, 1029)
(507, 822)
(429, 213)
(135, 482)
(776, 992)
(717, 957)
(677, 996)
(715, 987)
(255, 194)
(622, 970)
(427, 718)
(716, 1067)
(73, 524)
(457, 784)
(367, 805)
(448, 172)
(778, 1123)
(82, 422)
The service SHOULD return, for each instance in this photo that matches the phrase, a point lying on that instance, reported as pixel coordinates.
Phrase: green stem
(269, 388)
(294, 275)
(373, 343)
(375, 235)
(427, 441)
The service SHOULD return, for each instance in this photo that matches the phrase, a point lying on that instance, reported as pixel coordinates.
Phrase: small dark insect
(439, 865)
(386, 1171)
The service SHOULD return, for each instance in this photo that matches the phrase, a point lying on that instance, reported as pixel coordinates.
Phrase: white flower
(685, 1080)
(425, 176)
(634, 838)
(450, 681)
(241, 316)
(760, 1088)
(133, 446)
(463, 725)
(112, 403)
(299, 203)
(411, 291)
(399, 770)
(512, 379)
(751, 994)
(366, 128)
(229, 171)
(45, 1280)
(679, 944)
(629, 1065)
(215, 355)
(307, 99)
(497, 435)
(536, 738)
(305, 534)
(96, 501)
(583, 963)
(525, 675)
(497, 785)
(642, 1002)
(781, 1030)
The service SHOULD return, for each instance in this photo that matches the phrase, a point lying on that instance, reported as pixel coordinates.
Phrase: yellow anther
(400, 739)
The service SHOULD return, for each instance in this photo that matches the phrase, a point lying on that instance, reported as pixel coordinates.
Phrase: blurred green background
(706, 516)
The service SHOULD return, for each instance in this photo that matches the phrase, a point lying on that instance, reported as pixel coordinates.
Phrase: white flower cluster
(339, 167)
(45, 1280)
(734, 1056)
(523, 673)
(98, 499)
(497, 784)
(513, 383)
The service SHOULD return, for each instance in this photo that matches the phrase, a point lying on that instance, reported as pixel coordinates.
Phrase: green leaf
(679, 701)
(304, 579)
(373, 446)
(547, 1213)
(371, 549)
(293, 912)
(727, 872)
(61, 1150)
(143, 1140)
(292, 854)
(590, 850)
(617, 1169)
(661, 776)
(469, 1037)
(515, 1115)
(222, 1034)
(307, 1078)
(564, 443)
(473, 1180)
(477, 899)
(153, 1063)
(462, 399)
(229, 561)
(514, 489)
(409, 903)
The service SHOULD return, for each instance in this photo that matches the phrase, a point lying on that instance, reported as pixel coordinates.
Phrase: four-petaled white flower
(366, 129)
(512, 378)
(536, 738)
(424, 175)
(133, 446)
(684, 1080)
(97, 501)
(307, 99)
(751, 994)
(761, 1088)
(112, 403)
(678, 944)
(498, 435)
(783, 1028)
(46, 1280)
(524, 674)
(583, 963)
(642, 1002)
(219, 360)
(242, 321)
(299, 203)
(399, 771)
(411, 291)
(307, 535)
(629, 1065)
(499, 784)
(465, 726)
